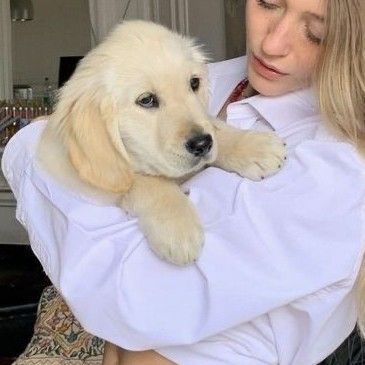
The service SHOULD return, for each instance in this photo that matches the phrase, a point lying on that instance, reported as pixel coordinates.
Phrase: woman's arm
(261, 240)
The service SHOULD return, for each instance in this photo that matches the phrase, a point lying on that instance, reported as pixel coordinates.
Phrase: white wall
(59, 28)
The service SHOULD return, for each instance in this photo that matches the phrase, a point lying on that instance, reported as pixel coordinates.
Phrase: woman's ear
(90, 134)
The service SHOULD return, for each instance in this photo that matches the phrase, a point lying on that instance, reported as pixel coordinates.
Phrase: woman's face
(283, 42)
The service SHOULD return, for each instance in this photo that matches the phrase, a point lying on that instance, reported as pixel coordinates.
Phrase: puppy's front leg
(167, 218)
(254, 155)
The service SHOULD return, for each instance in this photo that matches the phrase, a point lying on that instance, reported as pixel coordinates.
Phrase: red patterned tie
(237, 92)
(235, 96)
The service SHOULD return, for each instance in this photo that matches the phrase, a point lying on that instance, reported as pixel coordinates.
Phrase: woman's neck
(249, 91)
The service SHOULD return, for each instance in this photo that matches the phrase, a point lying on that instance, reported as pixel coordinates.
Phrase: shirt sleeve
(261, 240)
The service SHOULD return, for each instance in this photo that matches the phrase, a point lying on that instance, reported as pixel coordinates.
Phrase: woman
(276, 280)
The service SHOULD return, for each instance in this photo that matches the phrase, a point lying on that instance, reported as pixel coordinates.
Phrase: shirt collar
(223, 77)
(280, 111)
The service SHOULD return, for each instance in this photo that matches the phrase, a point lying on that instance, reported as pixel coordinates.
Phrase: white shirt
(274, 283)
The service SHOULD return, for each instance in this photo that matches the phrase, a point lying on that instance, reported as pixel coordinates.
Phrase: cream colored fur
(101, 141)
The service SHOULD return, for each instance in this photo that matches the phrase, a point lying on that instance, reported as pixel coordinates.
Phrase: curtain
(104, 15)
(6, 73)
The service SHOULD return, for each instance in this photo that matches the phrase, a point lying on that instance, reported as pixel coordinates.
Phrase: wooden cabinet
(21, 279)
(11, 231)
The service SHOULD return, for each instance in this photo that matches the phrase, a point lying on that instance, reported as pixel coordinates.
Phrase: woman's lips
(266, 71)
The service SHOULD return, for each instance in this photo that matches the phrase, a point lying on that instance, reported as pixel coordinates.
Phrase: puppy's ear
(90, 133)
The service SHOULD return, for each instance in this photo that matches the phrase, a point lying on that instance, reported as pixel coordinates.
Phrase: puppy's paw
(175, 236)
(257, 155)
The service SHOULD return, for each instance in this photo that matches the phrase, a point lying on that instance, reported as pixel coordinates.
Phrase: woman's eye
(195, 83)
(312, 38)
(148, 101)
(266, 5)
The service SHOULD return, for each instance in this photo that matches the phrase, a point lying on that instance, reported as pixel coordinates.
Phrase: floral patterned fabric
(58, 337)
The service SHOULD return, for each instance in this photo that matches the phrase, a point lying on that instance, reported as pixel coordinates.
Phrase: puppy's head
(137, 103)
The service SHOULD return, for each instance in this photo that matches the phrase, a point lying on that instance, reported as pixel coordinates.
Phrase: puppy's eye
(148, 100)
(194, 83)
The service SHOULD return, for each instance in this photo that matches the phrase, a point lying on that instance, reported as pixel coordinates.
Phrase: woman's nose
(277, 41)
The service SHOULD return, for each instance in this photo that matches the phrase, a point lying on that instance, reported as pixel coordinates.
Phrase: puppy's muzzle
(199, 145)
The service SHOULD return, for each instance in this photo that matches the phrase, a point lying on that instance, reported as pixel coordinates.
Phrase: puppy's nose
(199, 145)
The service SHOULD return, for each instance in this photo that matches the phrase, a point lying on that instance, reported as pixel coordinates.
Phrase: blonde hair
(340, 81)
(341, 70)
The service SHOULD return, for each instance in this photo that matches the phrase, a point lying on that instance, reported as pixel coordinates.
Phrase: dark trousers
(351, 352)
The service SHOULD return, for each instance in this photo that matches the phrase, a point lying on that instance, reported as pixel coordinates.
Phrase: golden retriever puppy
(132, 121)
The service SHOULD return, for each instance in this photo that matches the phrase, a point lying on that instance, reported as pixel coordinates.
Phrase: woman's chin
(269, 87)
